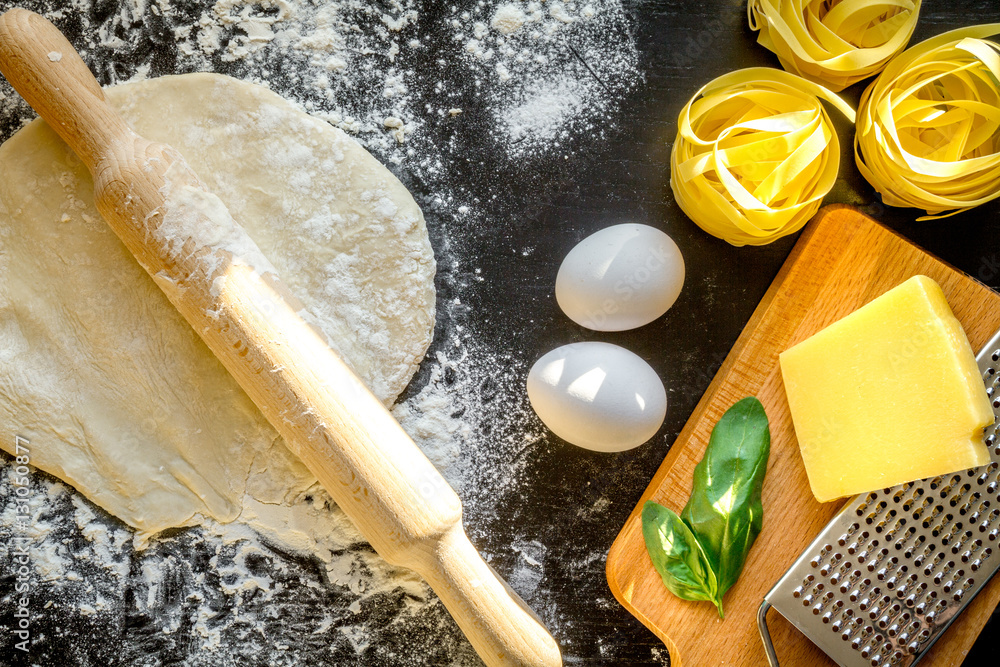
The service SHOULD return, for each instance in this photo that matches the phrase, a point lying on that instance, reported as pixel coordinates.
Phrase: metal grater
(894, 568)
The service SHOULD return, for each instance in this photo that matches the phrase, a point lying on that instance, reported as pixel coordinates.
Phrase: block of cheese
(889, 394)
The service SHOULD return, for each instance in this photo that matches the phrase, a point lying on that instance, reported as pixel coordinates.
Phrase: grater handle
(765, 635)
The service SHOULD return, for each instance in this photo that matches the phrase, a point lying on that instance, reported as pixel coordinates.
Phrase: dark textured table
(550, 205)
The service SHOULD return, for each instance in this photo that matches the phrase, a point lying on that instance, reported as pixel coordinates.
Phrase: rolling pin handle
(41, 64)
(765, 635)
(504, 630)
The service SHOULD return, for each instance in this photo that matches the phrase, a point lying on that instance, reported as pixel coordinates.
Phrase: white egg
(619, 278)
(597, 396)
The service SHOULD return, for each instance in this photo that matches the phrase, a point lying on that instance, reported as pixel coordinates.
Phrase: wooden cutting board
(842, 261)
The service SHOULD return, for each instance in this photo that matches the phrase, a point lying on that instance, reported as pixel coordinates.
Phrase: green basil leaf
(724, 511)
(677, 555)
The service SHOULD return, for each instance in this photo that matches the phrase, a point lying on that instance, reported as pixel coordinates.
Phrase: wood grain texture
(842, 261)
(251, 322)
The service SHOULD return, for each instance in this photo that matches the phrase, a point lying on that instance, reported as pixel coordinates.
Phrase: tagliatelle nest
(755, 154)
(834, 42)
(928, 129)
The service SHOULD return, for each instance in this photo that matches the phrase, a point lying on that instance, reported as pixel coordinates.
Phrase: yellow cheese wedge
(889, 394)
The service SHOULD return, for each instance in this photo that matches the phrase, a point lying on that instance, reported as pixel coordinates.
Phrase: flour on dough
(115, 392)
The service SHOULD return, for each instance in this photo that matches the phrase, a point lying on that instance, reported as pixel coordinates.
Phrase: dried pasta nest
(755, 154)
(834, 42)
(928, 128)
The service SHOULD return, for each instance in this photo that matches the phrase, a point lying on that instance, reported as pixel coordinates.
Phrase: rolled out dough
(114, 391)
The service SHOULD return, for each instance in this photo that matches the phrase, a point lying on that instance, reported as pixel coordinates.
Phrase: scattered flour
(530, 567)
(547, 69)
(545, 111)
(369, 69)
(508, 19)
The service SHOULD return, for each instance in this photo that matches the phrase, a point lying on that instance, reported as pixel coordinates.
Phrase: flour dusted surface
(404, 78)
(372, 68)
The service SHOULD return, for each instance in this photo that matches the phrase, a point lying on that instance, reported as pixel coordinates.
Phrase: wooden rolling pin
(215, 276)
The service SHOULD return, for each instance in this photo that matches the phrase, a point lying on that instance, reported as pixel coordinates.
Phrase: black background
(551, 204)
